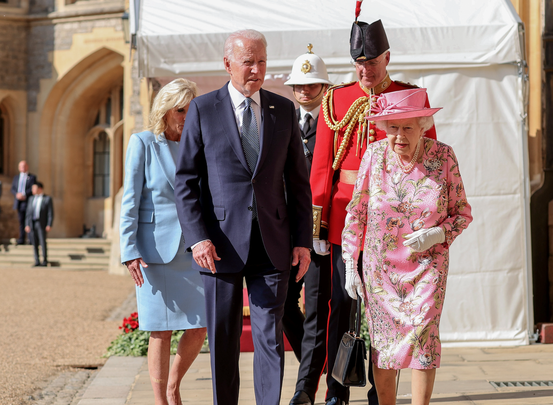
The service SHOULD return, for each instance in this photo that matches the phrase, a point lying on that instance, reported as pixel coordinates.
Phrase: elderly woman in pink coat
(407, 208)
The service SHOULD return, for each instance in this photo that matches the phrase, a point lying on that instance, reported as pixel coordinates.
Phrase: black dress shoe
(37, 265)
(335, 401)
(44, 264)
(301, 398)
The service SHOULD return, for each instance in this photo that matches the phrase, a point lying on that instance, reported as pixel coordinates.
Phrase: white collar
(238, 98)
(314, 112)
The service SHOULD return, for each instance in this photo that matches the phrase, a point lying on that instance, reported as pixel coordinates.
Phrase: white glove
(424, 239)
(353, 285)
(321, 247)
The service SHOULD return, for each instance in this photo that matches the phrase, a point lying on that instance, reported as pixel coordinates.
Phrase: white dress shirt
(314, 114)
(36, 206)
(238, 106)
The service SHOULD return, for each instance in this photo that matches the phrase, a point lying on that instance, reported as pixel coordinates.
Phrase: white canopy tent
(468, 54)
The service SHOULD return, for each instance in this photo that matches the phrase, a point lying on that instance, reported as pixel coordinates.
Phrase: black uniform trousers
(307, 334)
(338, 324)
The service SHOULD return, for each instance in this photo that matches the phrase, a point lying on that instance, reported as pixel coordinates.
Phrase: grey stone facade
(41, 6)
(47, 38)
(135, 106)
(13, 56)
(41, 41)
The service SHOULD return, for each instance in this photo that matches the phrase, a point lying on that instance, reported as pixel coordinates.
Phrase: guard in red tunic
(343, 133)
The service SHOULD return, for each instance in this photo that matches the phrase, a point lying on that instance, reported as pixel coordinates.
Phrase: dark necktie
(250, 142)
(250, 135)
(307, 124)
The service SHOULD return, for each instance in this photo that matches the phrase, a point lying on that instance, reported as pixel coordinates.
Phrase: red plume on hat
(358, 9)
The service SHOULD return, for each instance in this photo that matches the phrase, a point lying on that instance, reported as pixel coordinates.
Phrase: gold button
(305, 141)
(373, 122)
(372, 113)
(371, 131)
(371, 138)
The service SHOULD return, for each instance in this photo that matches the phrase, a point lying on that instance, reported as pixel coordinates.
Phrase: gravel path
(55, 327)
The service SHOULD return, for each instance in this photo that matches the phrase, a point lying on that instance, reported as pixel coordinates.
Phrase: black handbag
(349, 367)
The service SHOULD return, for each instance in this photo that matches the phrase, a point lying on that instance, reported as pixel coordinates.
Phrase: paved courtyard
(464, 378)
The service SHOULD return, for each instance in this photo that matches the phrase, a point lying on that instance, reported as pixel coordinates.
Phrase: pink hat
(401, 104)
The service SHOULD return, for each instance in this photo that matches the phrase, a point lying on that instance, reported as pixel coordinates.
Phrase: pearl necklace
(409, 167)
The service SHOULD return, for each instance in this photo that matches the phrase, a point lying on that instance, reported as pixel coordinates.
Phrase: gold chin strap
(316, 100)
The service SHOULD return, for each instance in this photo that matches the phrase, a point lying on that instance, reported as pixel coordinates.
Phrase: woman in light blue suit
(169, 293)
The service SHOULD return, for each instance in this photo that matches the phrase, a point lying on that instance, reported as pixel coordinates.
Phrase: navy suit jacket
(214, 186)
(22, 205)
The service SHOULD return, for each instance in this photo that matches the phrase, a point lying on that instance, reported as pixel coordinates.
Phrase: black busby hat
(367, 41)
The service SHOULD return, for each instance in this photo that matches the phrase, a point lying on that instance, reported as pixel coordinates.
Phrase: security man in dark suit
(38, 220)
(307, 333)
(22, 190)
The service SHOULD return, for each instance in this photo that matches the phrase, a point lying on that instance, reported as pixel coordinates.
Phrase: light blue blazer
(149, 224)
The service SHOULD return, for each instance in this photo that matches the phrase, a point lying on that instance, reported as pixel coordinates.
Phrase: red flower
(130, 324)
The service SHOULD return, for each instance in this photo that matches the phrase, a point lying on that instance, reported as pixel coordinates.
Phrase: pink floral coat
(404, 290)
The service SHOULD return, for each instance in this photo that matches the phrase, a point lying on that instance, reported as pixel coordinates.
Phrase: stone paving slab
(463, 379)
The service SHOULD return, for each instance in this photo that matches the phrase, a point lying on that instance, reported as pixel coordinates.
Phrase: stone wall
(135, 106)
(13, 56)
(64, 31)
(41, 42)
(42, 6)
(47, 38)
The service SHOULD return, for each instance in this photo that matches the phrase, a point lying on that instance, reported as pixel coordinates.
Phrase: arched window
(101, 165)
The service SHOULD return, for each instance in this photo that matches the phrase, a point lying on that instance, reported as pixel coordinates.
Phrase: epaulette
(408, 85)
(339, 86)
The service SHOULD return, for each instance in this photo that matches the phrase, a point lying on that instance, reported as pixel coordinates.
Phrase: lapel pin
(272, 106)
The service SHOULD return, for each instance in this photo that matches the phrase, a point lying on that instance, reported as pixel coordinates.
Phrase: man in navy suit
(243, 201)
(22, 189)
(38, 221)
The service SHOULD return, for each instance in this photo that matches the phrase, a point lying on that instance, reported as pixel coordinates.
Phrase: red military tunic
(332, 189)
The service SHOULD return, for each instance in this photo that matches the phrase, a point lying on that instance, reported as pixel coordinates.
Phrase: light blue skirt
(172, 296)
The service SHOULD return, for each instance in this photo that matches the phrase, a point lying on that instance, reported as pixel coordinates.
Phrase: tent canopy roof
(176, 37)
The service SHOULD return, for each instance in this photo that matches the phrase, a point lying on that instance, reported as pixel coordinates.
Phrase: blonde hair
(177, 94)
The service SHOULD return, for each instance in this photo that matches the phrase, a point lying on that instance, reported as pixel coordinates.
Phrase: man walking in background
(39, 219)
(22, 190)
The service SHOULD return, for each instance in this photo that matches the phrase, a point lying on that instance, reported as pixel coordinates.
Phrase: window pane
(106, 163)
(106, 186)
(121, 103)
(98, 182)
(108, 111)
(101, 165)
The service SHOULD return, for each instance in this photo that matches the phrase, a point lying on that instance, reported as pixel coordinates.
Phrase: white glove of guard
(321, 247)
(353, 285)
(424, 239)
